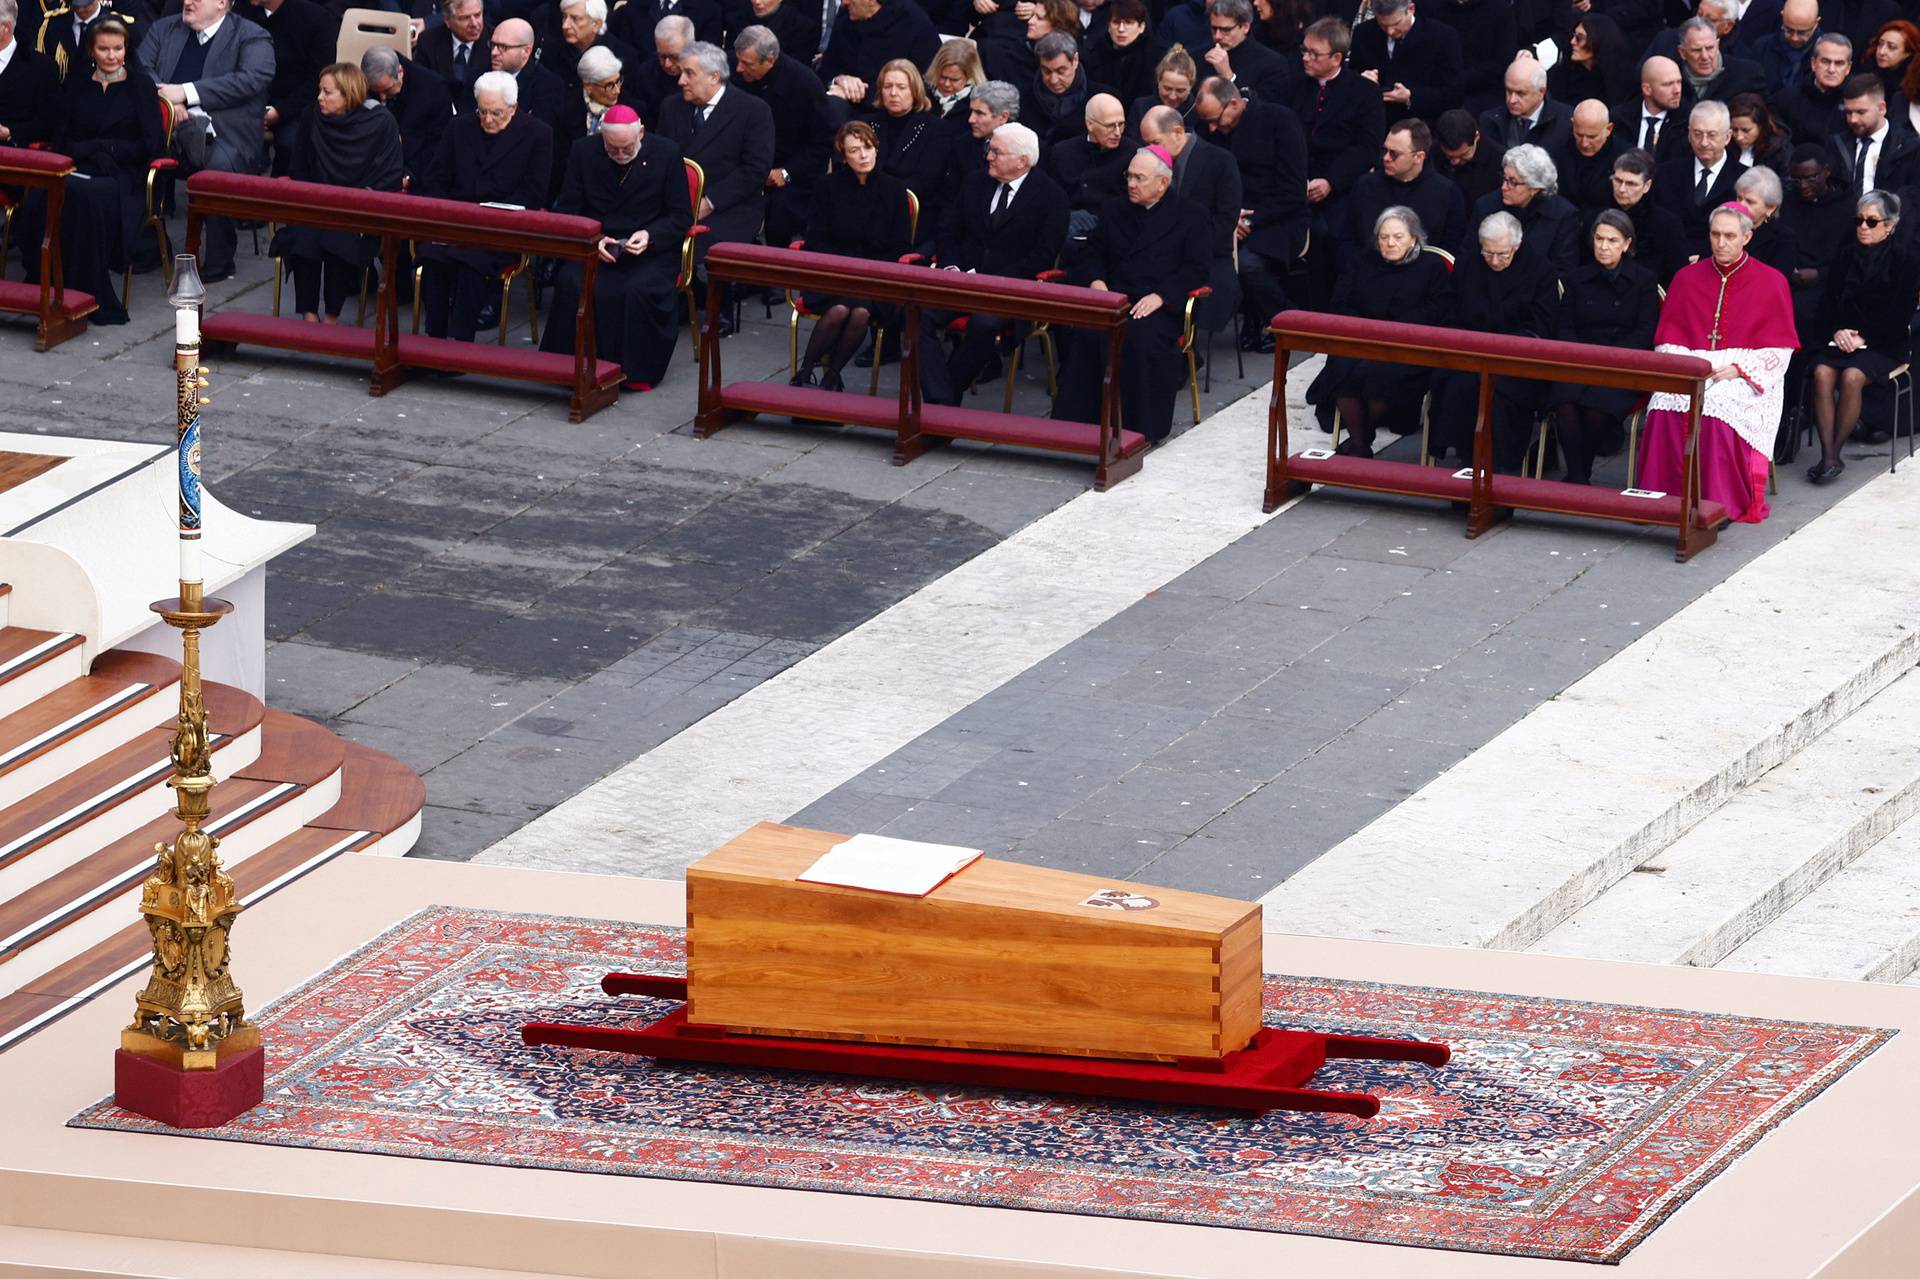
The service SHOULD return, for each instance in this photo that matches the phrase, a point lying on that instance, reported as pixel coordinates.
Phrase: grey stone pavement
(514, 605)
(1233, 726)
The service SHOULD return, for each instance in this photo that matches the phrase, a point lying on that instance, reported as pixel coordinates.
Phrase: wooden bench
(395, 218)
(917, 425)
(62, 312)
(1490, 497)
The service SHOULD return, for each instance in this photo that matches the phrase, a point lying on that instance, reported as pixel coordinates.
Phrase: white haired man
(1008, 220)
(583, 24)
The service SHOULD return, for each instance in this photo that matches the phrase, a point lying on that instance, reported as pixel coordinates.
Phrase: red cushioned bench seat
(988, 427)
(1375, 475)
(26, 160)
(1559, 498)
(520, 363)
(810, 403)
(288, 334)
(24, 299)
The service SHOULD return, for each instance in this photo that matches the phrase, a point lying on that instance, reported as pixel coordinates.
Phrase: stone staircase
(83, 800)
(1739, 789)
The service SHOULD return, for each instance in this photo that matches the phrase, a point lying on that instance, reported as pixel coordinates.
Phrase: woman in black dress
(1611, 301)
(857, 212)
(1867, 309)
(1500, 290)
(109, 122)
(1394, 279)
(907, 129)
(349, 142)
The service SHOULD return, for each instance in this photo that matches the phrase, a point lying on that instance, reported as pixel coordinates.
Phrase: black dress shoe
(216, 277)
(1828, 473)
(1873, 435)
(1351, 447)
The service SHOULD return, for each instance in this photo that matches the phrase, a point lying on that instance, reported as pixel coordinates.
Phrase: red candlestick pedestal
(184, 1098)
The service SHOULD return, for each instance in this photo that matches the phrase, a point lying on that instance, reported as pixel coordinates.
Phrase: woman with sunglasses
(1866, 310)
(1598, 63)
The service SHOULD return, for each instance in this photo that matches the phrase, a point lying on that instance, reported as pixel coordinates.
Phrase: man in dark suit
(1091, 169)
(1153, 247)
(1416, 64)
(636, 185)
(1270, 148)
(417, 98)
(61, 31)
(1406, 178)
(636, 20)
(1782, 54)
(1009, 220)
(1467, 160)
(1871, 154)
(583, 24)
(730, 135)
(1587, 177)
(1237, 56)
(1694, 187)
(456, 50)
(218, 67)
(657, 79)
(303, 41)
(541, 91)
(1529, 116)
(1340, 111)
(1654, 122)
(1810, 106)
(1710, 75)
(868, 34)
(1208, 176)
(1055, 102)
(29, 87)
(802, 129)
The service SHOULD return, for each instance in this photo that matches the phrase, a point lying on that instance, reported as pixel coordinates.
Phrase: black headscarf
(358, 148)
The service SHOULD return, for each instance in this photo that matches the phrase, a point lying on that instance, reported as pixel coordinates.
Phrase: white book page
(886, 865)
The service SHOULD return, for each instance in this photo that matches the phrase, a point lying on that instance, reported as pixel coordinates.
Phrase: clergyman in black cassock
(635, 183)
(1151, 245)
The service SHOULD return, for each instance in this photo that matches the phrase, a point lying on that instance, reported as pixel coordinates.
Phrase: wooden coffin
(1002, 956)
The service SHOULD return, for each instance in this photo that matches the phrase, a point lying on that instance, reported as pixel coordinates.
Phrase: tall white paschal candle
(186, 334)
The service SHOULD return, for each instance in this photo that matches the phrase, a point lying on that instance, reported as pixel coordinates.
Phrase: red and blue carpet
(1559, 1129)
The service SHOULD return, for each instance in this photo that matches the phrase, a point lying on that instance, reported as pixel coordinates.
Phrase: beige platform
(1833, 1192)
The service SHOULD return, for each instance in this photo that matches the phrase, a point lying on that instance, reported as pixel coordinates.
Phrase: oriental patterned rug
(1560, 1129)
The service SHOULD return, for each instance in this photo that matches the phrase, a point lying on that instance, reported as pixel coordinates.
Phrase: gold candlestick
(191, 1014)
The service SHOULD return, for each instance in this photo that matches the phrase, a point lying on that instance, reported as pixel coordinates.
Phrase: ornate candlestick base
(190, 1058)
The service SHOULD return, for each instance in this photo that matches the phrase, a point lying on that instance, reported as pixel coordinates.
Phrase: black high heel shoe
(803, 377)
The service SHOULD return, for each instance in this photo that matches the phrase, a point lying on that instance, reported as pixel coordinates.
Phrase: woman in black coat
(1530, 191)
(858, 212)
(348, 142)
(491, 154)
(1866, 311)
(1611, 301)
(108, 120)
(1121, 56)
(1598, 63)
(1500, 290)
(1394, 279)
(908, 130)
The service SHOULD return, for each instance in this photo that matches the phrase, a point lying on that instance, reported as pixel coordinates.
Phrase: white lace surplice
(1753, 416)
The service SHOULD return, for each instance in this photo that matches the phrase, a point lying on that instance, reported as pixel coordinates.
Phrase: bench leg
(1277, 495)
(1691, 540)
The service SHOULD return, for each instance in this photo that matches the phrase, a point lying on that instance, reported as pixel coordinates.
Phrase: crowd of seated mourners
(1436, 165)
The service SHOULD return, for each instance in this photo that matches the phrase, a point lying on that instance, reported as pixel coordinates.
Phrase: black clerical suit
(1137, 251)
(1675, 186)
(1271, 149)
(422, 109)
(1207, 175)
(1345, 124)
(1428, 61)
(303, 44)
(513, 166)
(437, 50)
(735, 148)
(633, 297)
(1019, 243)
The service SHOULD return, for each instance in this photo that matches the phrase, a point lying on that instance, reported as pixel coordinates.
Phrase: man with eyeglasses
(1694, 187)
(1416, 64)
(1235, 55)
(541, 92)
(1406, 178)
(1091, 169)
(1783, 53)
(1340, 111)
(1811, 106)
(1653, 121)
(1659, 241)
(1871, 154)
(1269, 146)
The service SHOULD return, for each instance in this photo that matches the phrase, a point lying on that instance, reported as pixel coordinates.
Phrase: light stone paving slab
(798, 736)
(1511, 841)
(1719, 884)
(1862, 925)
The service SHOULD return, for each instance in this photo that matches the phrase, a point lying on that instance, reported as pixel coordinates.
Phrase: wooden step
(119, 791)
(380, 794)
(34, 663)
(84, 719)
(71, 984)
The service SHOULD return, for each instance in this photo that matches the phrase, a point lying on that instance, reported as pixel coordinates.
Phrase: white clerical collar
(6, 54)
